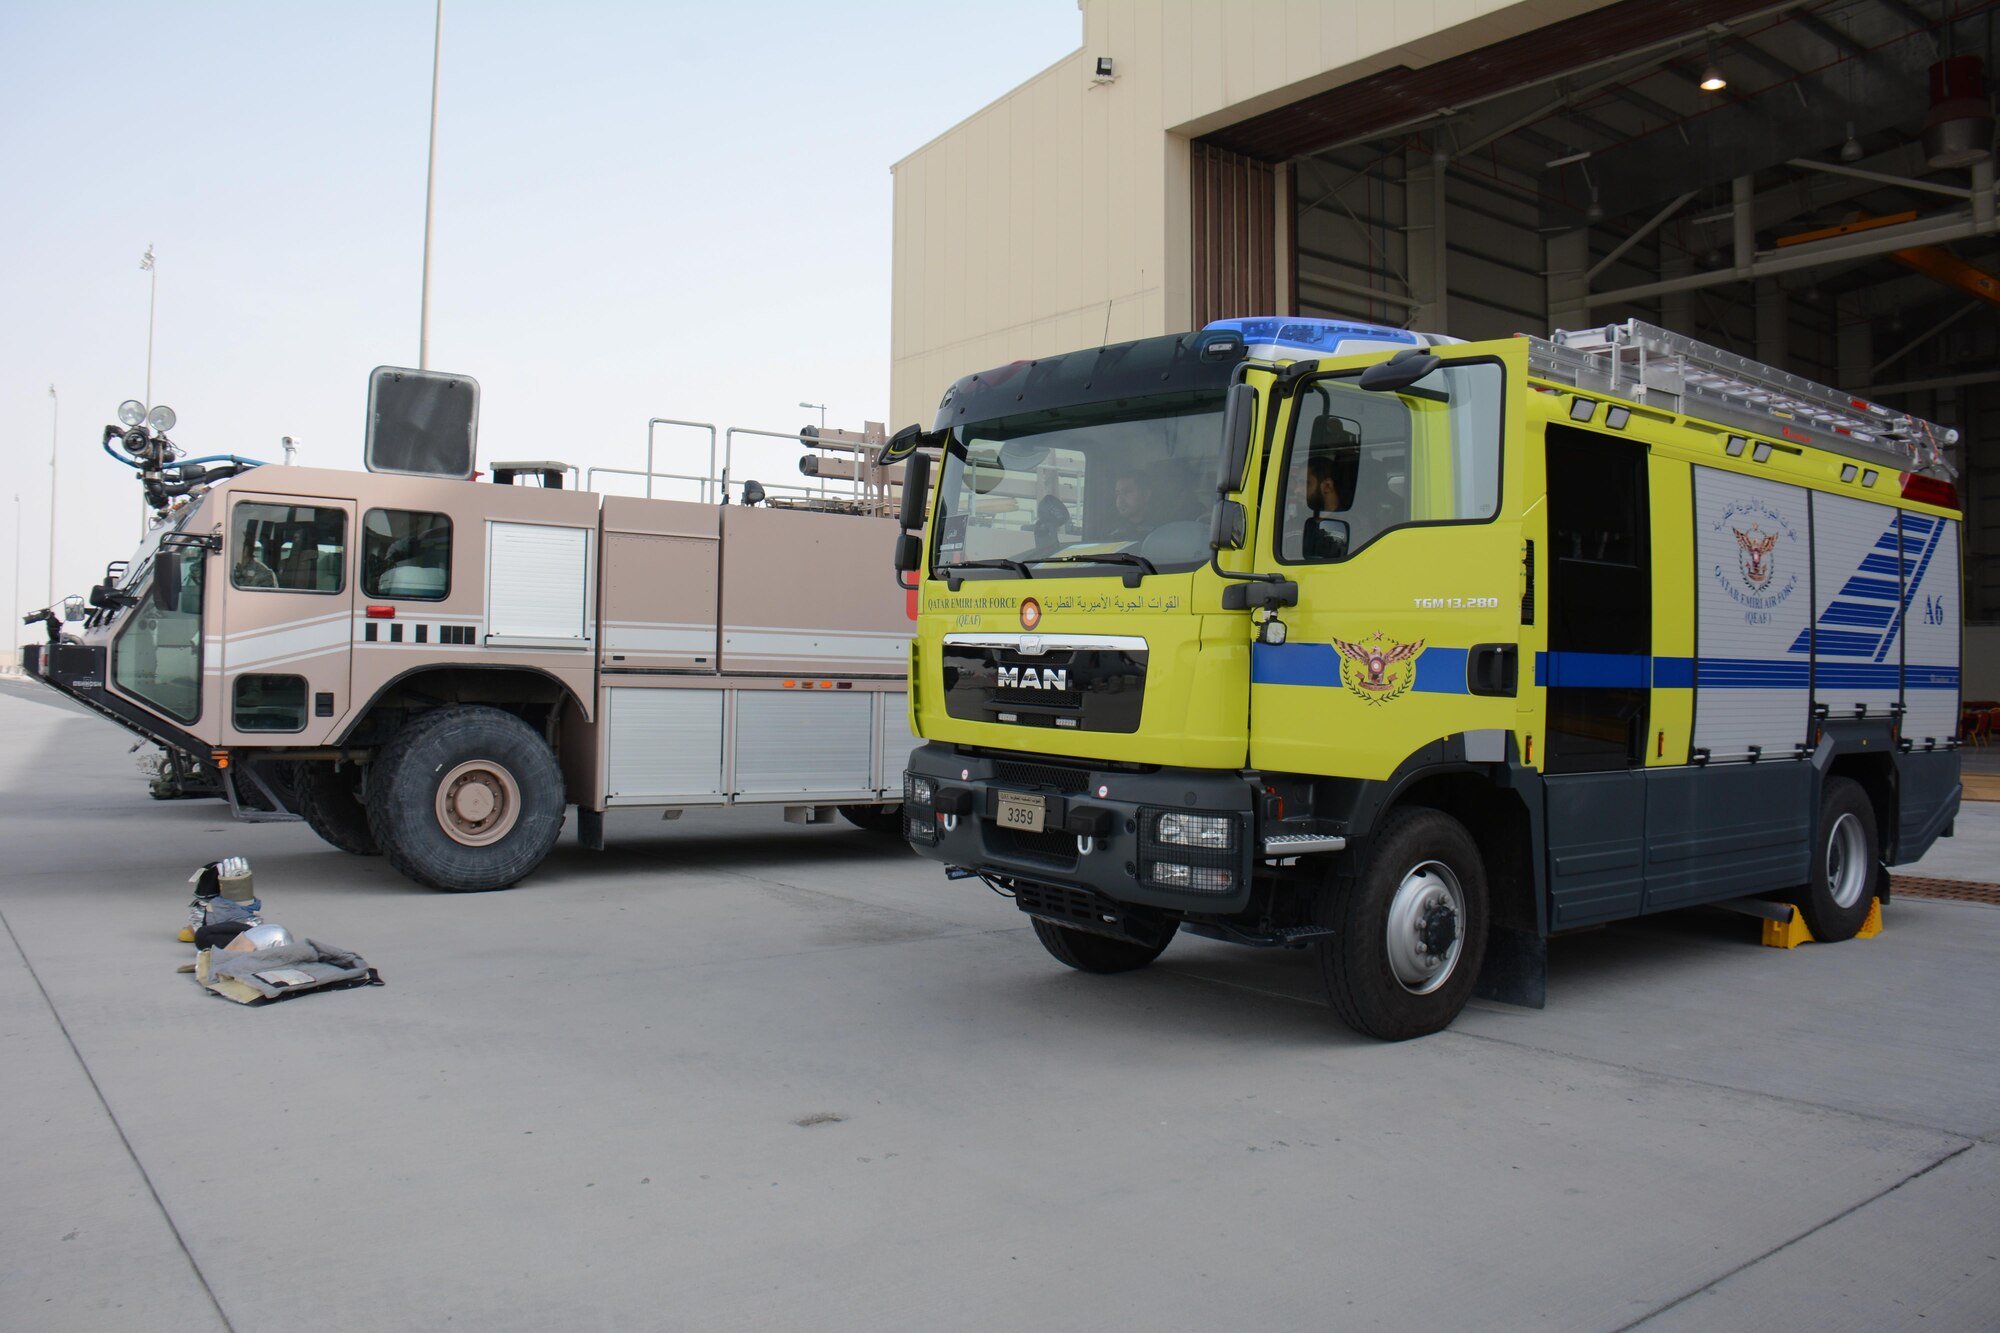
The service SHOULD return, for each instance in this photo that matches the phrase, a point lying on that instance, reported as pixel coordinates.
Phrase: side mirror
(909, 558)
(1325, 538)
(916, 494)
(1237, 411)
(1226, 527)
(167, 578)
(1399, 371)
(901, 445)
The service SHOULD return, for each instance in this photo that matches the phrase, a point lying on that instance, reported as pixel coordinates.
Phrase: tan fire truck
(422, 664)
(1300, 632)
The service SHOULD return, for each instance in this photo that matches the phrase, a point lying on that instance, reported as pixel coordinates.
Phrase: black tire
(1418, 857)
(1846, 863)
(329, 800)
(430, 766)
(1099, 953)
(883, 819)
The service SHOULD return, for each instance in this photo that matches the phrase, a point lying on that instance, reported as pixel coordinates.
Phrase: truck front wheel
(465, 798)
(1410, 934)
(1099, 953)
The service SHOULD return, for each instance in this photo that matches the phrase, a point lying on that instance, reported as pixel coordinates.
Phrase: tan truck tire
(465, 798)
(329, 800)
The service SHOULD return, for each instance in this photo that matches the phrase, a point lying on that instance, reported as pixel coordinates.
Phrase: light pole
(152, 304)
(14, 592)
(430, 197)
(55, 418)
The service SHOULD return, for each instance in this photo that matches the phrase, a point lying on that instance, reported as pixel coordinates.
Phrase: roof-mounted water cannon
(165, 472)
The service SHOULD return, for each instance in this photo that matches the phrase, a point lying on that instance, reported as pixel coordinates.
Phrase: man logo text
(1034, 678)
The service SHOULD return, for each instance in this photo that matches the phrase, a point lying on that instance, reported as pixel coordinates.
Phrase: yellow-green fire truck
(1295, 632)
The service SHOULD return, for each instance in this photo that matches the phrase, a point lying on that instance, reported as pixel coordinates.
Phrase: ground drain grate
(1952, 890)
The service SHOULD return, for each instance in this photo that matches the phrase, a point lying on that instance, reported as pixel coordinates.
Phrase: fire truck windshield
(1126, 478)
(157, 654)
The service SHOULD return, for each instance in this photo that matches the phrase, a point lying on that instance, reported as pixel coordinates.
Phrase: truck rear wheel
(1098, 953)
(1411, 933)
(465, 798)
(329, 800)
(1847, 861)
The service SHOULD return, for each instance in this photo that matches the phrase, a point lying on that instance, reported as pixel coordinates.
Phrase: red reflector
(381, 613)
(1930, 490)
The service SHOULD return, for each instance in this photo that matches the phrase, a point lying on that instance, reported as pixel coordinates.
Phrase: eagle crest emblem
(1753, 554)
(1372, 669)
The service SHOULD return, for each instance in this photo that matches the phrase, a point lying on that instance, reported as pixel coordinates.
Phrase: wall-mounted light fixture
(1106, 70)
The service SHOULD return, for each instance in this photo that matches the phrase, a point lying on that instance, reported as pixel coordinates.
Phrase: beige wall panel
(1019, 229)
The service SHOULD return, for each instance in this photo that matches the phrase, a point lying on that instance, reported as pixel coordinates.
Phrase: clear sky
(643, 209)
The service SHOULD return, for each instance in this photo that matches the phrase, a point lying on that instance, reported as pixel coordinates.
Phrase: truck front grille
(1070, 781)
(1051, 847)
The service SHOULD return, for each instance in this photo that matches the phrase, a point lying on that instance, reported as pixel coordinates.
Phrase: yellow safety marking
(1791, 934)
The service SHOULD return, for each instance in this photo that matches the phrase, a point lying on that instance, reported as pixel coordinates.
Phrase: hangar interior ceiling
(1829, 210)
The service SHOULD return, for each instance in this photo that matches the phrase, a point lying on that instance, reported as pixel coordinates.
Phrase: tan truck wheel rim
(478, 803)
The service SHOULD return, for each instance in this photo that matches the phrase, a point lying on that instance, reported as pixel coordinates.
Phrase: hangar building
(1809, 183)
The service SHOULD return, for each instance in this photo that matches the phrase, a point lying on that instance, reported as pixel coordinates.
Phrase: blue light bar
(1283, 338)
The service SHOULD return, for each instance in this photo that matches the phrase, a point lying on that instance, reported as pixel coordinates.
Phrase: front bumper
(77, 670)
(1102, 828)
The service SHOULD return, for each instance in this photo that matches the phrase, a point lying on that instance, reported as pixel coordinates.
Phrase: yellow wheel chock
(1792, 933)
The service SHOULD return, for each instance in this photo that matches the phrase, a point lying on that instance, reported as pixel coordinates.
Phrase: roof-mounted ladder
(1650, 366)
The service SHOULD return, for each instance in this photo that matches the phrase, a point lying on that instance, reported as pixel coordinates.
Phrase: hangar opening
(1810, 184)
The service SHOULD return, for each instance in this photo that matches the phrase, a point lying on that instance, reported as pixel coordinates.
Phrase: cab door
(1398, 512)
(288, 618)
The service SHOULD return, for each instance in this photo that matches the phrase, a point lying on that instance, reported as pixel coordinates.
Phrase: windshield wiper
(951, 576)
(1104, 558)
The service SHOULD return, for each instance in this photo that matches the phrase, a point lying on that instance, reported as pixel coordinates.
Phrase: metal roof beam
(1632, 97)
(1840, 41)
(1593, 124)
(1863, 245)
(1757, 54)
(1902, 182)
(1915, 18)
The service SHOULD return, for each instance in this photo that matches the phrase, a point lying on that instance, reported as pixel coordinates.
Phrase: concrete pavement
(733, 1073)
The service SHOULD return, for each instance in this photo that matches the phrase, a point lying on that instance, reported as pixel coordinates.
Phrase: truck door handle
(1493, 669)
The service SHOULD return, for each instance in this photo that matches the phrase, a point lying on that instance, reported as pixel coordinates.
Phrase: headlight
(921, 791)
(1200, 879)
(131, 412)
(1215, 831)
(161, 419)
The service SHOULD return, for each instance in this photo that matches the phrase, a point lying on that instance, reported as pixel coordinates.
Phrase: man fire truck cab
(1433, 649)
(434, 668)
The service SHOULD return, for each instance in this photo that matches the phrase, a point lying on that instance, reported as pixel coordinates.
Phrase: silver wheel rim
(1846, 861)
(1427, 903)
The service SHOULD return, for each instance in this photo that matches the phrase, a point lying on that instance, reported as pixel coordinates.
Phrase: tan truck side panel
(784, 570)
